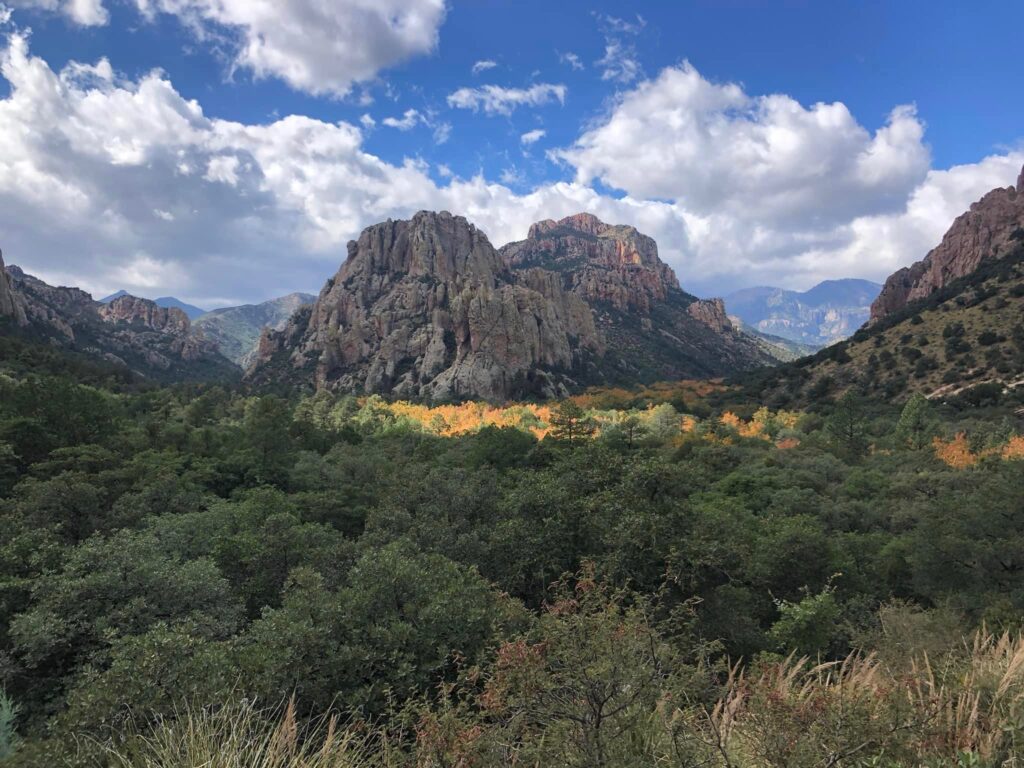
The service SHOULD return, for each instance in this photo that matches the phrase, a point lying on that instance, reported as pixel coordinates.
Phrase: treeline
(572, 586)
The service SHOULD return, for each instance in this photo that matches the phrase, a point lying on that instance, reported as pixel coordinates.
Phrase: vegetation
(677, 575)
(963, 342)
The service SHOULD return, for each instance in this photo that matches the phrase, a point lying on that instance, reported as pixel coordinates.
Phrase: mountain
(152, 341)
(168, 302)
(652, 328)
(828, 312)
(427, 308)
(950, 326)
(986, 232)
(237, 329)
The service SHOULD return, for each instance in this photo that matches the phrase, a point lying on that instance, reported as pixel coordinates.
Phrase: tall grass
(963, 709)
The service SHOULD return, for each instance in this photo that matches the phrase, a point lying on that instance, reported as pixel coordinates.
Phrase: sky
(226, 151)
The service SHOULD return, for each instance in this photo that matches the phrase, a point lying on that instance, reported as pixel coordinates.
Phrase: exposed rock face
(151, 340)
(984, 233)
(604, 263)
(426, 308)
(711, 312)
(135, 311)
(11, 305)
(653, 329)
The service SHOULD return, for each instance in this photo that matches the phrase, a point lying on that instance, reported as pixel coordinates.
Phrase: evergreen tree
(570, 423)
(916, 426)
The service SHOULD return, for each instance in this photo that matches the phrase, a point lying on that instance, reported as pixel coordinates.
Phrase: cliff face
(986, 232)
(653, 329)
(603, 263)
(152, 341)
(426, 308)
(10, 303)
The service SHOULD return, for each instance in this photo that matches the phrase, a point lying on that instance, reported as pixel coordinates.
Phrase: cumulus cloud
(765, 158)
(113, 183)
(483, 66)
(532, 137)
(316, 46)
(496, 100)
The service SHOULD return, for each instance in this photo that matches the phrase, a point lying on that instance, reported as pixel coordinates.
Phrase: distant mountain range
(167, 302)
(829, 312)
(237, 329)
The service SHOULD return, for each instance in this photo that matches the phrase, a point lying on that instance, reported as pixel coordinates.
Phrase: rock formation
(11, 305)
(426, 308)
(652, 328)
(153, 341)
(237, 330)
(987, 231)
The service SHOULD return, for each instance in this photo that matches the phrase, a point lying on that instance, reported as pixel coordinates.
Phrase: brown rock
(605, 263)
(711, 312)
(984, 233)
(426, 308)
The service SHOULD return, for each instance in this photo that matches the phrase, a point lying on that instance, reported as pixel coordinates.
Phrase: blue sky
(217, 158)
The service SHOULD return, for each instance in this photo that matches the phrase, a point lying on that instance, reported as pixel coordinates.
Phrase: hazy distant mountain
(237, 329)
(828, 312)
(167, 302)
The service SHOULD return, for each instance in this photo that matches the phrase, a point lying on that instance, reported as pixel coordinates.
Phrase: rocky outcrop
(11, 305)
(153, 341)
(615, 265)
(426, 308)
(711, 312)
(652, 328)
(986, 232)
(145, 313)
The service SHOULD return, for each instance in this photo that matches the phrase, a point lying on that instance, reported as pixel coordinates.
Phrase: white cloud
(5, 14)
(767, 159)
(367, 121)
(317, 46)
(532, 137)
(496, 100)
(87, 13)
(409, 120)
(621, 62)
(442, 132)
(571, 59)
(483, 66)
(748, 189)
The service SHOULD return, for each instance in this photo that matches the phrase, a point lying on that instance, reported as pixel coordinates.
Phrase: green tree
(917, 424)
(570, 423)
(846, 429)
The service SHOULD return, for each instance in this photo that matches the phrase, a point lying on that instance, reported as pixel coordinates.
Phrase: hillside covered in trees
(629, 577)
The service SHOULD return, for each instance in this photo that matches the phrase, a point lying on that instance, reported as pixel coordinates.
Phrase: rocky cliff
(652, 328)
(987, 231)
(426, 308)
(152, 341)
(10, 303)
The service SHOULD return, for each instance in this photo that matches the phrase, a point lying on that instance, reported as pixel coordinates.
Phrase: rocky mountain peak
(10, 303)
(986, 232)
(614, 264)
(437, 246)
(143, 312)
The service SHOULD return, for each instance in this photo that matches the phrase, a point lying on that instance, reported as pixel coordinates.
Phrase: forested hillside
(625, 578)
